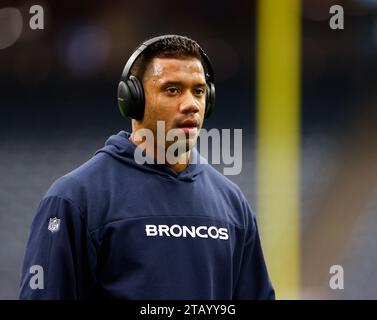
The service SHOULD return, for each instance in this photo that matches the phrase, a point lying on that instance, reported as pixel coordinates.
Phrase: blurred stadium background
(58, 106)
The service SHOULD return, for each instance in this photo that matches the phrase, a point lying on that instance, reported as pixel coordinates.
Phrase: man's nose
(189, 104)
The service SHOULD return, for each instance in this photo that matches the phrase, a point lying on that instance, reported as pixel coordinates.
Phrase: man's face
(175, 91)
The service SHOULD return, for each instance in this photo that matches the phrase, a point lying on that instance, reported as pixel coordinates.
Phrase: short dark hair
(170, 47)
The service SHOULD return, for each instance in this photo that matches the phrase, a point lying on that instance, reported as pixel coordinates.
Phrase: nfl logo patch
(54, 224)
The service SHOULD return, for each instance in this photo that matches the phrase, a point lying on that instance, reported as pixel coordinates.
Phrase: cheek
(165, 107)
(202, 107)
(150, 107)
(158, 108)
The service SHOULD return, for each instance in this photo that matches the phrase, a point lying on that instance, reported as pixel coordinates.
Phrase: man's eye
(172, 90)
(200, 91)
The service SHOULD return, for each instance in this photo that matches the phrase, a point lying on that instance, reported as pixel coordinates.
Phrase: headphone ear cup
(131, 98)
(210, 99)
(138, 100)
(124, 98)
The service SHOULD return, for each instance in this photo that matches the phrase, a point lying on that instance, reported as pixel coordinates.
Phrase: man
(120, 229)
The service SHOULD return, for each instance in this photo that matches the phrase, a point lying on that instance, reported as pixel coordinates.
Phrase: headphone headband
(145, 45)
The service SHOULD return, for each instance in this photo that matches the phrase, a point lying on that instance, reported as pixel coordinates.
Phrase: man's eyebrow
(170, 83)
(179, 83)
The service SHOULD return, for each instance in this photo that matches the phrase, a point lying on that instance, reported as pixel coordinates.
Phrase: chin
(190, 143)
(182, 146)
(186, 145)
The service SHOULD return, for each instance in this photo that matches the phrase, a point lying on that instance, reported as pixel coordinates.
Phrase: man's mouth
(189, 126)
(189, 123)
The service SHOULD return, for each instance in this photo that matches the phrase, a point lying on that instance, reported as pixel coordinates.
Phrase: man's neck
(182, 164)
(179, 166)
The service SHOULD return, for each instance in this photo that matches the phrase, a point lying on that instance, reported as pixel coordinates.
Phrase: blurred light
(85, 50)
(10, 26)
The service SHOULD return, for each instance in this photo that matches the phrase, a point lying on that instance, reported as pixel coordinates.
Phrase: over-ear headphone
(131, 99)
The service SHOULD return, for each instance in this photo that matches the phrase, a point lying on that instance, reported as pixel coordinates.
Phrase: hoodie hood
(120, 147)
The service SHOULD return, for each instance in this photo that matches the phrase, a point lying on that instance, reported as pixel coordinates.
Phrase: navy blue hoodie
(114, 229)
